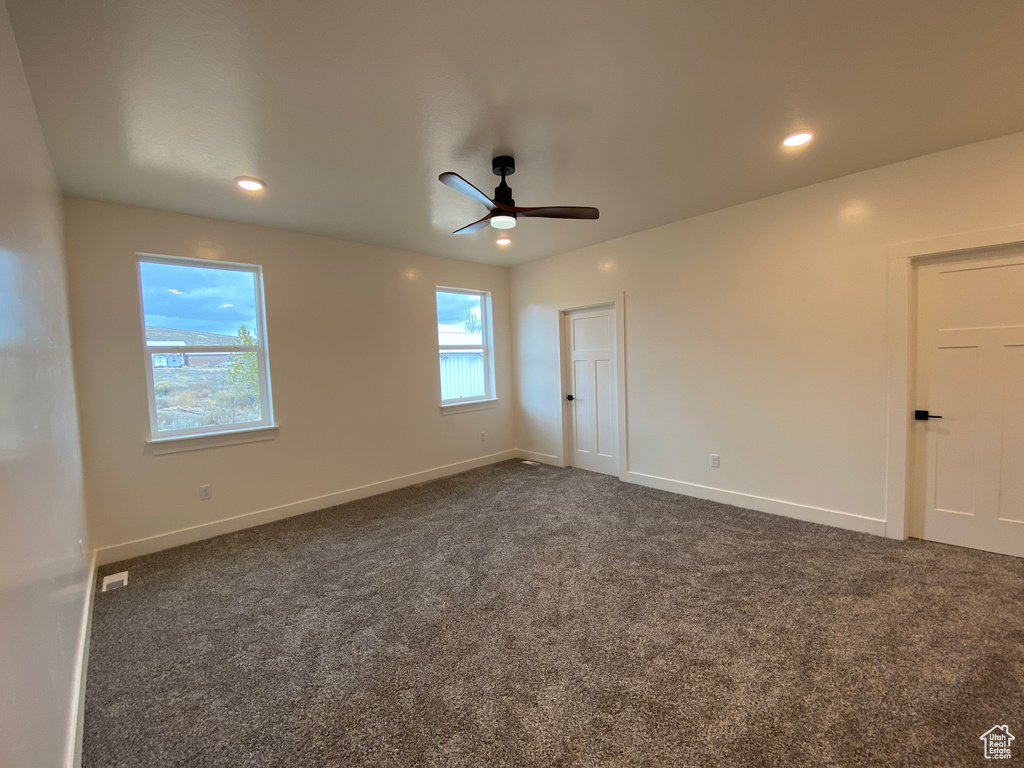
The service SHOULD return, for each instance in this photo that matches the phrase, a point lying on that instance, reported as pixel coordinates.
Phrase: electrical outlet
(205, 492)
(114, 581)
(714, 460)
(483, 437)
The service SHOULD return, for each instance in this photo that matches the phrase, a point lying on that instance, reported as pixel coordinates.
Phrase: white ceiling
(651, 110)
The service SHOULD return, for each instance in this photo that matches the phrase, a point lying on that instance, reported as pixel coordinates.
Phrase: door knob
(570, 398)
(924, 416)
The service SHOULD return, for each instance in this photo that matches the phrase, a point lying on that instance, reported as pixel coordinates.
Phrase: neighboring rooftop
(166, 336)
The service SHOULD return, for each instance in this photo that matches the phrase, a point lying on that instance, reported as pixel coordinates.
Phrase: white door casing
(592, 380)
(967, 479)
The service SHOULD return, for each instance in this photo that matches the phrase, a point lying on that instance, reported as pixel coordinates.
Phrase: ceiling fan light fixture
(503, 221)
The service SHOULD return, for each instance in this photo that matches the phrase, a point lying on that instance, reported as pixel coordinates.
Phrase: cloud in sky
(452, 308)
(214, 300)
(198, 298)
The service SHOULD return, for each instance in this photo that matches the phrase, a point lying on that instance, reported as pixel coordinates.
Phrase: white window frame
(262, 358)
(486, 344)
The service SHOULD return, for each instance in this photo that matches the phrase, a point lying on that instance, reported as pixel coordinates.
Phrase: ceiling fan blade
(559, 212)
(476, 226)
(462, 186)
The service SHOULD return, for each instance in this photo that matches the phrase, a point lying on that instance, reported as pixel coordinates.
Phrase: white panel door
(592, 379)
(967, 486)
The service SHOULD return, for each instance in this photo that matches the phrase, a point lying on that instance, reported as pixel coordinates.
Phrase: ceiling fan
(502, 210)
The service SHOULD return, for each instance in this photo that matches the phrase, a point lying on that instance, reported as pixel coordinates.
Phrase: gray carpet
(523, 615)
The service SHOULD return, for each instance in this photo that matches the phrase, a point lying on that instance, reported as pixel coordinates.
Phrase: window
(464, 343)
(206, 349)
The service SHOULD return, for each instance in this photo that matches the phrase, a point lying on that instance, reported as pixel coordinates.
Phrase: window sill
(158, 446)
(473, 405)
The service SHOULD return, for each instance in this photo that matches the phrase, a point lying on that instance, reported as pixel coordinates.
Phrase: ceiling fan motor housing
(503, 166)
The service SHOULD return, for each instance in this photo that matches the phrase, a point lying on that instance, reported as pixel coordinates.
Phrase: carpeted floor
(523, 615)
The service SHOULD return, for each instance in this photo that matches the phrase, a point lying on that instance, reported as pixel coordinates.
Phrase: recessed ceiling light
(503, 240)
(249, 183)
(798, 139)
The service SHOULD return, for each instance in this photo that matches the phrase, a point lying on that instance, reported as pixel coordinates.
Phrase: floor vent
(114, 581)
(527, 461)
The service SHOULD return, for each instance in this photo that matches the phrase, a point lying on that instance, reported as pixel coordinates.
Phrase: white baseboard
(126, 550)
(76, 715)
(146, 546)
(543, 458)
(803, 512)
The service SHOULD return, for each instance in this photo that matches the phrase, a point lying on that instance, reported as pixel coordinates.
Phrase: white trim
(76, 712)
(1000, 237)
(486, 346)
(237, 266)
(459, 406)
(260, 348)
(899, 299)
(128, 549)
(181, 443)
(543, 458)
(623, 414)
(805, 512)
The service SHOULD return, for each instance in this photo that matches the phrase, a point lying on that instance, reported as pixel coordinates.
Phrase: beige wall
(43, 573)
(352, 337)
(759, 332)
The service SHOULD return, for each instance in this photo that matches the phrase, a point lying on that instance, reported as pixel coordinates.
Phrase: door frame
(618, 306)
(901, 298)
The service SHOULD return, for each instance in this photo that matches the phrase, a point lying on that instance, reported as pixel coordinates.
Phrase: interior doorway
(967, 439)
(591, 399)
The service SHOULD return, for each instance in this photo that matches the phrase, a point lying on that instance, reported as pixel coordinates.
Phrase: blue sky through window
(459, 313)
(452, 308)
(203, 299)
